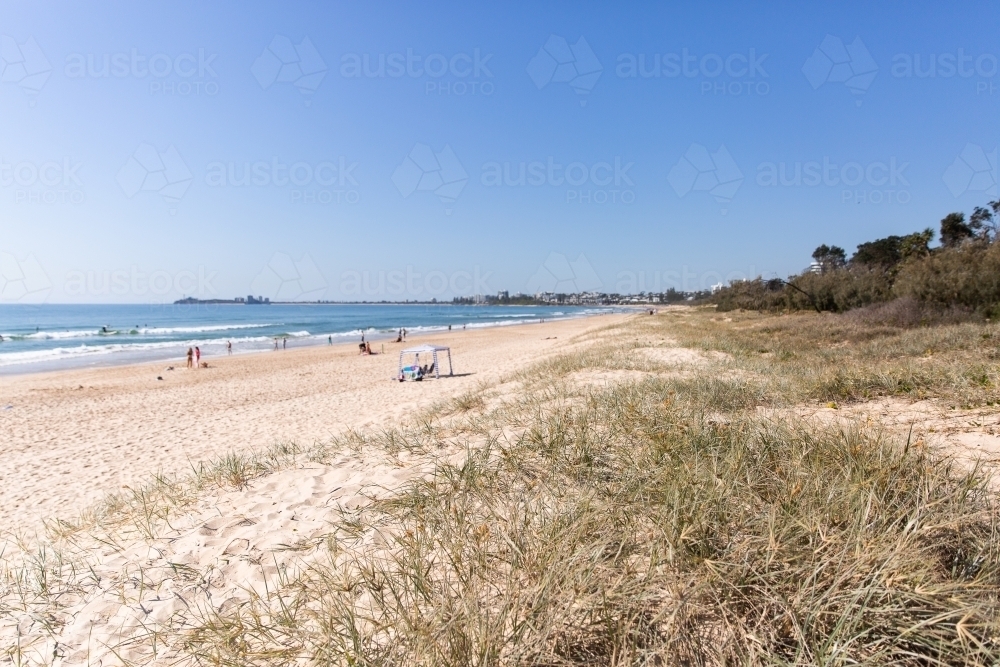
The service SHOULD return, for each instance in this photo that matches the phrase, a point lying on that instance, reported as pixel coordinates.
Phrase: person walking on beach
(190, 357)
(197, 357)
(275, 343)
(329, 339)
(284, 343)
(229, 347)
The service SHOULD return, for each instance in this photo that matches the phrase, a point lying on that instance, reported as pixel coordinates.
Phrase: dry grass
(629, 530)
(836, 357)
(656, 522)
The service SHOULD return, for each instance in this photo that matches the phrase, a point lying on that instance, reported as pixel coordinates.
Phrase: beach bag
(413, 373)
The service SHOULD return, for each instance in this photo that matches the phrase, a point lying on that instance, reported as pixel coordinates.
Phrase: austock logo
(327, 182)
(23, 64)
(148, 170)
(682, 279)
(138, 283)
(410, 283)
(835, 62)
(981, 68)
(22, 280)
(558, 275)
(49, 182)
(734, 75)
(559, 62)
(423, 170)
(284, 62)
(183, 74)
(876, 182)
(469, 74)
(700, 171)
(594, 183)
(974, 170)
(286, 279)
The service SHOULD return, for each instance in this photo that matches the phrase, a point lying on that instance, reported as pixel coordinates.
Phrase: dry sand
(71, 437)
(969, 435)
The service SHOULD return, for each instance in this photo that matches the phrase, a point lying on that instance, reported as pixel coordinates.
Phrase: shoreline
(375, 337)
(125, 357)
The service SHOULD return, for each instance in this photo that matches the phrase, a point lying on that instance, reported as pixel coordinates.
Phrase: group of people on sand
(194, 356)
(365, 347)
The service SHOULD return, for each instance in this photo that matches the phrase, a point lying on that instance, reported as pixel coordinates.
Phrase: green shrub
(758, 294)
(968, 276)
(947, 284)
(840, 290)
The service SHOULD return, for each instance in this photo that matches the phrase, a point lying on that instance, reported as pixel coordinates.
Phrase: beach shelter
(425, 350)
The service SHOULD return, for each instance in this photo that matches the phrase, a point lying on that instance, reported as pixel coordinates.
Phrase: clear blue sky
(659, 144)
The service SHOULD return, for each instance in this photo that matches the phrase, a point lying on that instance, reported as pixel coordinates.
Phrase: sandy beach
(68, 438)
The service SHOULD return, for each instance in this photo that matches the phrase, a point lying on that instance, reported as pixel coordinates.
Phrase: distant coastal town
(502, 298)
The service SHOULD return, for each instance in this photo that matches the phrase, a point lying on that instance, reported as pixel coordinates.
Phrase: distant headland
(239, 301)
(502, 298)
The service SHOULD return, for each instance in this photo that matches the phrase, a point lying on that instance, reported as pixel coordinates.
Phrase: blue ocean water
(50, 337)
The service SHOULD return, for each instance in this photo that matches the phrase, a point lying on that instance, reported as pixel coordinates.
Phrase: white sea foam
(150, 331)
(61, 335)
(165, 331)
(255, 343)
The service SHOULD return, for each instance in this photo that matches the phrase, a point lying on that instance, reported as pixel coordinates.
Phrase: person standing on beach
(229, 347)
(190, 357)
(197, 357)
(330, 339)
(284, 343)
(275, 343)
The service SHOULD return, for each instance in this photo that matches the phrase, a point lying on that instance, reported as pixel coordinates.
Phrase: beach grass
(678, 512)
(631, 530)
